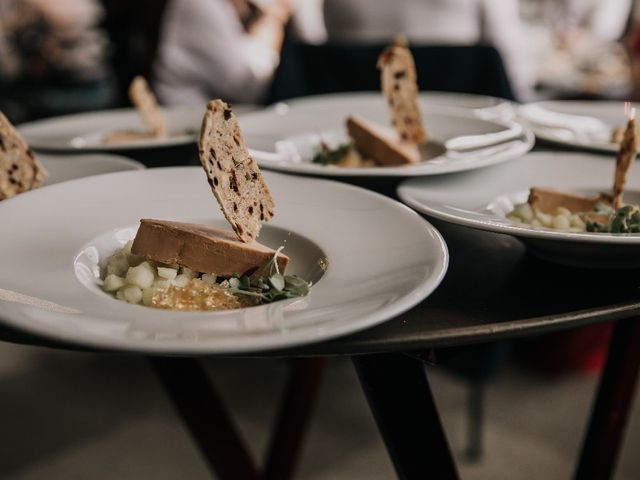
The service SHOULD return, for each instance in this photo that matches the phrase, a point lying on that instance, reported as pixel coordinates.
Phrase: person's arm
(269, 27)
(502, 28)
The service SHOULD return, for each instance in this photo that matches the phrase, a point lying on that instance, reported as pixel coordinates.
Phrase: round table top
(494, 289)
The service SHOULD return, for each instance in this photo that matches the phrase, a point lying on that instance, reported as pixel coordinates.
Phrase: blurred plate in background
(62, 168)
(482, 198)
(578, 124)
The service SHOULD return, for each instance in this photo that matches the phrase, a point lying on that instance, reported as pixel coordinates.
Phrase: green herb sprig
(624, 220)
(331, 156)
(267, 284)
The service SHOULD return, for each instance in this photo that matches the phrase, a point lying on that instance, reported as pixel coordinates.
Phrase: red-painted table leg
(612, 404)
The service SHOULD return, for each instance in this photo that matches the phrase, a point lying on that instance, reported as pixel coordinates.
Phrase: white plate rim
(527, 140)
(386, 313)
(27, 130)
(491, 225)
(48, 160)
(542, 132)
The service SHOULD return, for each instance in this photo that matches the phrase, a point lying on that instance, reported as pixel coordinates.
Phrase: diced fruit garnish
(113, 282)
(168, 273)
(161, 283)
(131, 293)
(181, 280)
(147, 295)
(141, 276)
(187, 272)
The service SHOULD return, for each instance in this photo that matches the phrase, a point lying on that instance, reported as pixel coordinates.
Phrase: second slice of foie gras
(547, 200)
(380, 143)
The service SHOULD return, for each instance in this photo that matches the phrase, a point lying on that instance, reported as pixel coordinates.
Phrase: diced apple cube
(112, 283)
(161, 283)
(181, 281)
(187, 272)
(168, 273)
(147, 295)
(132, 293)
(561, 222)
(524, 211)
(141, 276)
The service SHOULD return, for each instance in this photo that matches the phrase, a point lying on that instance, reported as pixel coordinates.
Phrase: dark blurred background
(79, 55)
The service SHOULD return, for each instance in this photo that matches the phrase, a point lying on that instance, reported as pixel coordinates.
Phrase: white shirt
(204, 52)
(444, 22)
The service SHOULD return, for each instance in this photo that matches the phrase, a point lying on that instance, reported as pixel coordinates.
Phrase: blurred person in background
(47, 50)
(578, 45)
(227, 48)
(437, 22)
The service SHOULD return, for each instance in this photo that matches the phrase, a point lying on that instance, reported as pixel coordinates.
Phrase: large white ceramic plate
(62, 168)
(382, 259)
(481, 199)
(85, 131)
(483, 106)
(291, 136)
(578, 124)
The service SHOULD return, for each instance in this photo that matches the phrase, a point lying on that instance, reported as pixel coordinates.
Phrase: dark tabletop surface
(494, 289)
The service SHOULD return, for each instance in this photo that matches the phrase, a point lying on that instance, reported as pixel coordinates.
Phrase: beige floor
(89, 416)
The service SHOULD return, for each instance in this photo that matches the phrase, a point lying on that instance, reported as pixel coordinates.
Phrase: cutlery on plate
(472, 142)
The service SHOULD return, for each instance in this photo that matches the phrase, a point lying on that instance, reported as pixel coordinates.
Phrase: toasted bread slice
(145, 102)
(380, 143)
(234, 176)
(399, 85)
(547, 200)
(201, 248)
(20, 170)
(626, 156)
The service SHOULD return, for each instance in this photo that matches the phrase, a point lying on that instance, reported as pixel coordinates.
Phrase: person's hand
(279, 10)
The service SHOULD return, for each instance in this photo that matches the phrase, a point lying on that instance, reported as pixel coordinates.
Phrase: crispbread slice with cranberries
(20, 170)
(147, 106)
(399, 86)
(234, 176)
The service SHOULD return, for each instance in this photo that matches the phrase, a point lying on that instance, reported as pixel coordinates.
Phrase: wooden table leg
(293, 418)
(613, 400)
(200, 407)
(208, 421)
(400, 399)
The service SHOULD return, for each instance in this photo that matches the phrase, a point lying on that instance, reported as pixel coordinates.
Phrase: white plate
(480, 199)
(293, 134)
(63, 168)
(382, 259)
(578, 124)
(483, 106)
(85, 131)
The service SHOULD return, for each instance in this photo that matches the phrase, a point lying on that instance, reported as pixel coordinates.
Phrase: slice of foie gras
(201, 248)
(380, 143)
(547, 200)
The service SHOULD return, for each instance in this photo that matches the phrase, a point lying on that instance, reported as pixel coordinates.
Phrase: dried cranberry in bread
(233, 174)
(20, 170)
(398, 78)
